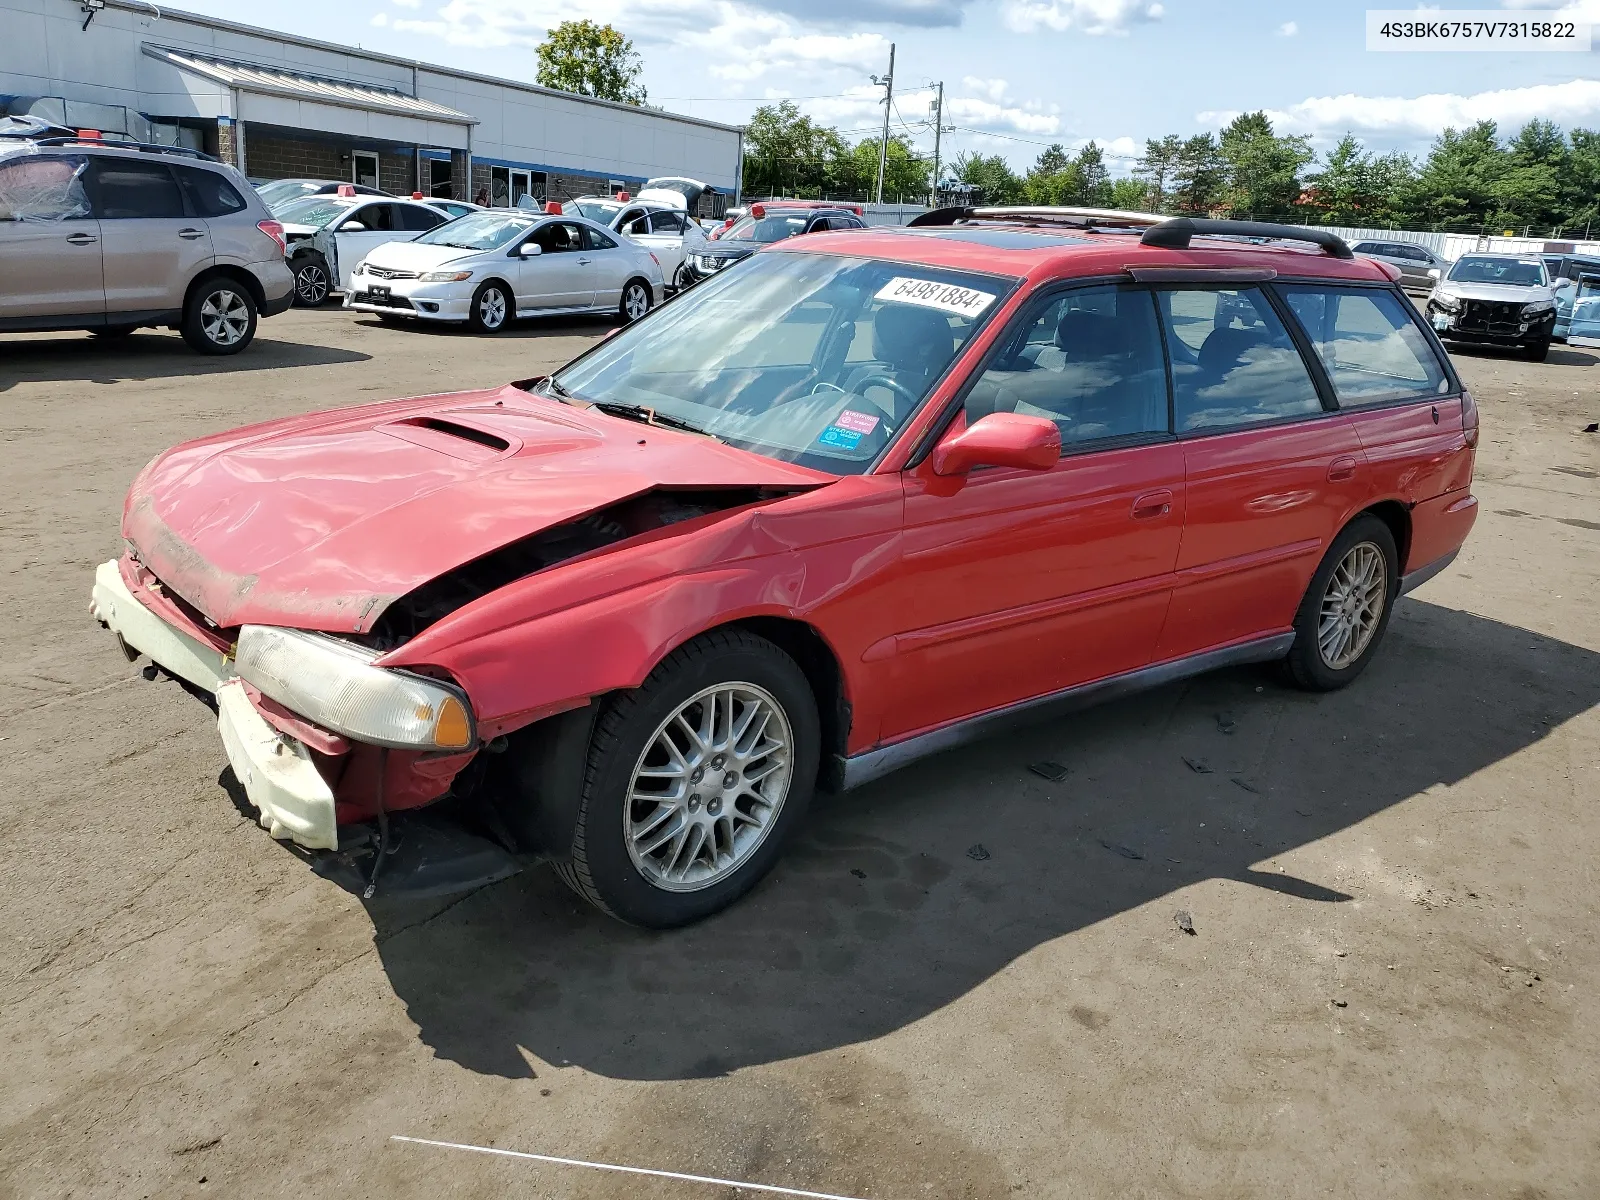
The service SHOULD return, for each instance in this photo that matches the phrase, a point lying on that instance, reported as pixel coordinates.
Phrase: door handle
(1152, 504)
(1341, 469)
(191, 234)
(82, 239)
(584, 262)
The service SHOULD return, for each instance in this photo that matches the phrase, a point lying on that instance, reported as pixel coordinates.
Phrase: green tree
(991, 174)
(1263, 169)
(591, 60)
(1199, 176)
(1357, 187)
(1156, 170)
(1456, 185)
(1130, 195)
(1582, 188)
(786, 153)
(1531, 189)
(905, 174)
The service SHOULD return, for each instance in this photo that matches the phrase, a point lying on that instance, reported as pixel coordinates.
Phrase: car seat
(911, 346)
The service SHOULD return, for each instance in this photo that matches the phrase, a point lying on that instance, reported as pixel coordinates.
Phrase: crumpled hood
(293, 229)
(410, 256)
(1498, 293)
(320, 522)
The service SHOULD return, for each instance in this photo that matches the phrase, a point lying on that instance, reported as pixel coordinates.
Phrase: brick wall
(460, 188)
(397, 173)
(226, 146)
(568, 187)
(286, 158)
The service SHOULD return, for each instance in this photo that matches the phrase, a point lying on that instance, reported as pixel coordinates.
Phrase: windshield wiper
(556, 390)
(638, 412)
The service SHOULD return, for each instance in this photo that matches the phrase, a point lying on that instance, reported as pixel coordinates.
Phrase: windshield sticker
(842, 439)
(946, 297)
(859, 422)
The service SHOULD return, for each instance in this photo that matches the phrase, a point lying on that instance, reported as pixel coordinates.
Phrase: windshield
(598, 211)
(773, 227)
(1518, 272)
(480, 230)
(810, 358)
(279, 190)
(316, 211)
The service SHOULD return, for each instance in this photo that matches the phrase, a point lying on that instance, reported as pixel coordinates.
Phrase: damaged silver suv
(114, 236)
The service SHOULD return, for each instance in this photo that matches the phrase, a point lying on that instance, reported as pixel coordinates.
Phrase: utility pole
(887, 84)
(938, 128)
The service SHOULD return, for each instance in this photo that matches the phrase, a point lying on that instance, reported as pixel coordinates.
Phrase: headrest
(911, 338)
(1221, 350)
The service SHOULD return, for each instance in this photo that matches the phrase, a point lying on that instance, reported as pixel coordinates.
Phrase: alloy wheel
(636, 301)
(224, 316)
(311, 282)
(708, 788)
(1352, 605)
(492, 308)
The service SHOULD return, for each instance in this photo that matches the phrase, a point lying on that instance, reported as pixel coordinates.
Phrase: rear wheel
(491, 308)
(220, 317)
(1346, 609)
(635, 300)
(694, 781)
(311, 283)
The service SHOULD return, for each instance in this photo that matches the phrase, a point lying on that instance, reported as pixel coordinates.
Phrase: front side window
(1372, 349)
(378, 218)
(1089, 360)
(210, 194)
(666, 222)
(1233, 362)
(811, 358)
(1516, 272)
(131, 190)
(43, 187)
(559, 237)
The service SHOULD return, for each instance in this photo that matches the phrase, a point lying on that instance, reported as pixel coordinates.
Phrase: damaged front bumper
(295, 803)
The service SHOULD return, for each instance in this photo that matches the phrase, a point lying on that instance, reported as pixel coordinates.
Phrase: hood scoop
(469, 443)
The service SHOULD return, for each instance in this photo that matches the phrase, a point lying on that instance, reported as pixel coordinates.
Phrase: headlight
(1537, 307)
(359, 267)
(443, 276)
(334, 684)
(1446, 303)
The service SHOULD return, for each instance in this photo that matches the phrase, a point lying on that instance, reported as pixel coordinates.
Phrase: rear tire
(716, 829)
(636, 300)
(1536, 351)
(1346, 608)
(311, 282)
(220, 317)
(492, 308)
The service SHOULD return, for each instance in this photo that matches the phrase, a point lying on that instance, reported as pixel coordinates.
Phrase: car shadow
(902, 897)
(1558, 356)
(519, 328)
(148, 354)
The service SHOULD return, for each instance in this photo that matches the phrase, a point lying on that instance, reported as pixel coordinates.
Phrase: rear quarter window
(1369, 344)
(210, 194)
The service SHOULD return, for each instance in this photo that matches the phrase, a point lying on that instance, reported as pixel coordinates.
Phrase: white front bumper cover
(276, 770)
(428, 301)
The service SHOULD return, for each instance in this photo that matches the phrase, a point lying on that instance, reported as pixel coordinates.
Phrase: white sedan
(666, 230)
(489, 267)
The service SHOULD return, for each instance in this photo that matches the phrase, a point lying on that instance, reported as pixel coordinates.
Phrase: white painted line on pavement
(598, 1166)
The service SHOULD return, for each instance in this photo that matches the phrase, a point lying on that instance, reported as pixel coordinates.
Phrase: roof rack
(118, 144)
(1175, 234)
(1028, 214)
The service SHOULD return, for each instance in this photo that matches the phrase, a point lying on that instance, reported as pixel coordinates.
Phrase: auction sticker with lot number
(946, 297)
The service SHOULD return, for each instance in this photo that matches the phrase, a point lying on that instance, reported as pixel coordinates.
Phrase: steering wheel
(894, 385)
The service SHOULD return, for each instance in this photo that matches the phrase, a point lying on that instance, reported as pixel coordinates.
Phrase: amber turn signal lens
(452, 731)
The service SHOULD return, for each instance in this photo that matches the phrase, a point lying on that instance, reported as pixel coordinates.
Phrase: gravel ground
(1392, 989)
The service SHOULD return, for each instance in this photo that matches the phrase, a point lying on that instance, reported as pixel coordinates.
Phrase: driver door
(558, 276)
(1030, 582)
(378, 223)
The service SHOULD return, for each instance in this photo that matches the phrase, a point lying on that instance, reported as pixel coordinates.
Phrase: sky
(1018, 74)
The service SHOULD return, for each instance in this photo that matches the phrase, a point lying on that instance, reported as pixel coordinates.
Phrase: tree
(1130, 195)
(1531, 189)
(1583, 180)
(591, 60)
(1356, 187)
(786, 153)
(991, 174)
(1155, 170)
(1263, 169)
(1456, 184)
(1199, 176)
(1059, 180)
(904, 173)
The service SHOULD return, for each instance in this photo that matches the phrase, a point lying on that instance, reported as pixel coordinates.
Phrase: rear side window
(210, 194)
(130, 190)
(597, 240)
(1372, 349)
(43, 187)
(1233, 362)
(420, 216)
(1089, 360)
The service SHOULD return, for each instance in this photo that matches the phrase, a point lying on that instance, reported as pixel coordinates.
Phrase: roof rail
(118, 144)
(1174, 234)
(1028, 214)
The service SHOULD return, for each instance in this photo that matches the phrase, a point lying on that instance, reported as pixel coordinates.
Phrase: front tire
(636, 300)
(694, 782)
(220, 317)
(311, 282)
(1536, 351)
(1346, 608)
(491, 308)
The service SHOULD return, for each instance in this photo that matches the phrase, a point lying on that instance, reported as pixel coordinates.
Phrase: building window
(364, 168)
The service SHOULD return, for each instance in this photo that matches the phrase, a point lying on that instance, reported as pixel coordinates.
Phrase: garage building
(276, 105)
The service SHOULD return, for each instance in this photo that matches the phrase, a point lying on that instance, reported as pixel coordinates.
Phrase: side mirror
(1433, 273)
(1000, 440)
(530, 250)
(352, 227)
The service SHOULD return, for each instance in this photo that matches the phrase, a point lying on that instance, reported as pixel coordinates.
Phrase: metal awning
(296, 85)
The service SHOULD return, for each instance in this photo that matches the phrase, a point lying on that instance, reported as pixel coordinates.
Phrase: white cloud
(1086, 16)
(977, 112)
(1583, 10)
(1573, 103)
(990, 89)
(380, 19)
(806, 52)
(407, 3)
(1288, 29)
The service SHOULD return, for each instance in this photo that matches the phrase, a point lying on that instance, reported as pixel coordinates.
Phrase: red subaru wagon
(855, 500)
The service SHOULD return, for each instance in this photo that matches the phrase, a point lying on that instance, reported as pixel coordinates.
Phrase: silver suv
(111, 237)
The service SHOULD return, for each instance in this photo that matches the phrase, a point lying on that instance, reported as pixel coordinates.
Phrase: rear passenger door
(608, 265)
(213, 198)
(151, 244)
(1269, 470)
